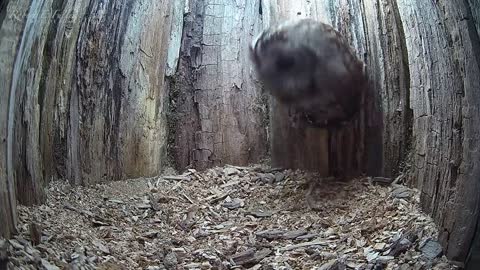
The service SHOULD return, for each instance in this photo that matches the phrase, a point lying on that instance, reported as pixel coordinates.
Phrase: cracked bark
(423, 65)
(443, 55)
(82, 94)
(218, 112)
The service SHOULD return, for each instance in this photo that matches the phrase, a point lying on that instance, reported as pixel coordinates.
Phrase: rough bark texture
(83, 96)
(218, 114)
(443, 54)
(25, 104)
(423, 63)
(10, 33)
(117, 91)
(389, 78)
(474, 7)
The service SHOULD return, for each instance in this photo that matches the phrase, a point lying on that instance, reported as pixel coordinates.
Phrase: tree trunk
(13, 18)
(218, 113)
(117, 124)
(87, 92)
(389, 77)
(444, 59)
(423, 63)
(98, 90)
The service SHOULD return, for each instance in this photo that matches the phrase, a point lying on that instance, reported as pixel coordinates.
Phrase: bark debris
(228, 217)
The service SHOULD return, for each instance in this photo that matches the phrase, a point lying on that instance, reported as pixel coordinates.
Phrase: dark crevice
(3, 10)
(408, 111)
(117, 90)
(57, 8)
(183, 117)
(474, 35)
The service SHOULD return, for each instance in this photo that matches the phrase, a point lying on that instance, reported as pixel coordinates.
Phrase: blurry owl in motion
(308, 66)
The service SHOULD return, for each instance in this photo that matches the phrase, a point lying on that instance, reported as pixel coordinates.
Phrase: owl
(308, 66)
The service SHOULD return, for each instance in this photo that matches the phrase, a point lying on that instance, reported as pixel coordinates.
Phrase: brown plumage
(308, 66)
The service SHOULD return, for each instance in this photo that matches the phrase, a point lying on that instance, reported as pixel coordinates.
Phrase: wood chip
(270, 234)
(379, 246)
(260, 213)
(231, 171)
(48, 266)
(201, 224)
(101, 246)
(250, 256)
(332, 265)
(431, 249)
(294, 234)
(234, 203)
(305, 244)
(176, 178)
(382, 180)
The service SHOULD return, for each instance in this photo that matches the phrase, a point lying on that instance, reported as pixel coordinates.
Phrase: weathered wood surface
(83, 96)
(218, 113)
(117, 91)
(473, 8)
(10, 37)
(26, 104)
(444, 60)
(389, 78)
(88, 92)
(473, 259)
(422, 59)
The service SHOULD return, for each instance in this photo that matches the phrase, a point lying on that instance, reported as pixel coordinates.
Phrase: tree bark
(423, 80)
(94, 91)
(218, 113)
(443, 54)
(473, 258)
(83, 93)
(389, 76)
(10, 37)
(26, 103)
(117, 124)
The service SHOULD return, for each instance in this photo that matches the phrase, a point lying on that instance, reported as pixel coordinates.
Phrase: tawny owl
(309, 66)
